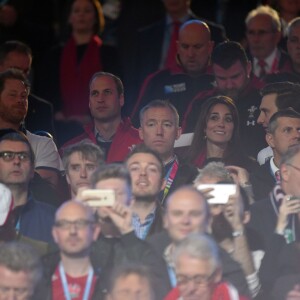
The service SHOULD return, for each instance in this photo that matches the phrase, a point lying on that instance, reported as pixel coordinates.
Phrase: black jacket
(106, 254)
(232, 271)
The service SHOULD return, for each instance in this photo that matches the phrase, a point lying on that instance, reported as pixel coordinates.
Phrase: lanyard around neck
(170, 178)
(64, 281)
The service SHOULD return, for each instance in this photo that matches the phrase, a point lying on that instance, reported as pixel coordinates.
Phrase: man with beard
(187, 212)
(14, 90)
(229, 220)
(147, 175)
(112, 133)
(232, 70)
(118, 244)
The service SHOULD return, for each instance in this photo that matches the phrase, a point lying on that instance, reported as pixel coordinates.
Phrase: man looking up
(118, 243)
(181, 82)
(147, 176)
(114, 135)
(159, 130)
(80, 161)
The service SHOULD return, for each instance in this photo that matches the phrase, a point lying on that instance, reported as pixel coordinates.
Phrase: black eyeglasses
(10, 155)
(296, 168)
(79, 224)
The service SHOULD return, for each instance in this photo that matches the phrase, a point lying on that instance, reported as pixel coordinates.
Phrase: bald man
(187, 76)
(71, 270)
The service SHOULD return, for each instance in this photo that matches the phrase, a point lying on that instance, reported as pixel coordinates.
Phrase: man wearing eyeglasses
(263, 33)
(32, 218)
(186, 213)
(70, 272)
(199, 271)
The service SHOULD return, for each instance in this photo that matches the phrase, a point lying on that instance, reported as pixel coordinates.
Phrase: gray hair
(87, 149)
(160, 104)
(17, 256)
(294, 23)
(289, 155)
(213, 170)
(199, 246)
(268, 11)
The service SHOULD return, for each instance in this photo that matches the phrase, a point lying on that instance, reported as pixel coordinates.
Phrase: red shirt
(76, 286)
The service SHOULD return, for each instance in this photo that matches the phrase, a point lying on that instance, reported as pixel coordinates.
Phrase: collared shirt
(273, 167)
(270, 60)
(141, 230)
(102, 142)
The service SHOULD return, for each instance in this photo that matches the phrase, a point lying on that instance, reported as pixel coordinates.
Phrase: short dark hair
(288, 94)
(114, 170)
(17, 256)
(116, 79)
(158, 104)
(288, 113)
(87, 149)
(227, 53)
(17, 136)
(13, 46)
(142, 148)
(13, 74)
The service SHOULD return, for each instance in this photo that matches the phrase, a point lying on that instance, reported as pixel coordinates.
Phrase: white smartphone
(98, 198)
(220, 192)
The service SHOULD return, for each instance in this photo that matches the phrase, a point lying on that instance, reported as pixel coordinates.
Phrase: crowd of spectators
(150, 150)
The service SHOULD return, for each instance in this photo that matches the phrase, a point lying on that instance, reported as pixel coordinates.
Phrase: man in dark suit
(263, 32)
(283, 132)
